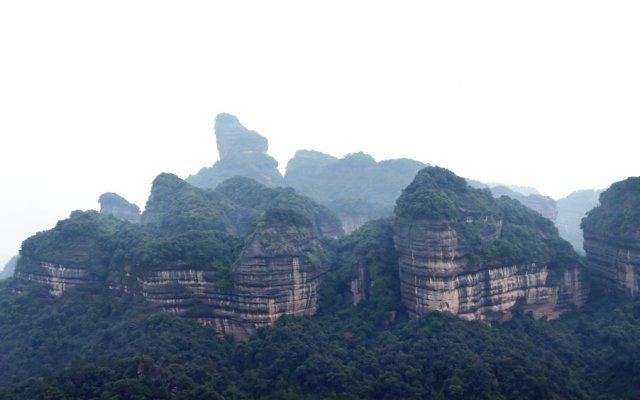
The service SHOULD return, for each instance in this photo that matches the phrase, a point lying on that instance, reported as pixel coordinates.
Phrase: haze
(103, 96)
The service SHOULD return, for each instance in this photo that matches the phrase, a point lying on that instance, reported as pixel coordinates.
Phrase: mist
(101, 97)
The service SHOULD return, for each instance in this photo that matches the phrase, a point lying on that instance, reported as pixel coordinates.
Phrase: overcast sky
(103, 96)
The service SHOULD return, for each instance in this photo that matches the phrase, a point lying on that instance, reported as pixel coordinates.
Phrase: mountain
(544, 205)
(235, 258)
(526, 195)
(105, 308)
(117, 206)
(355, 187)
(9, 268)
(462, 250)
(242, 153)
(612, 239)
(571, 210)
(522, 190)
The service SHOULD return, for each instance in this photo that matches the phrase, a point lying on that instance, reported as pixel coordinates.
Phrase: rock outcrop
(571, 210)
(612, 239)
(75, 252)
(235, 259)
(464, 252)
(242, 153)
(278, 274)
(117, 206)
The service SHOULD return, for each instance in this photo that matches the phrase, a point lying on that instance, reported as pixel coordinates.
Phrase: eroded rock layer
(614, 263)
(435, 275)
(612, 239)
(463, 251)
(278, 270)
(57, 278)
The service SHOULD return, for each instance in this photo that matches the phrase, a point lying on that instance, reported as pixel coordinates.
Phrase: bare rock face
(278, 274)
(233, 139)
(58, 278)
(117, 206)
(75, 253)
(455, 248)
(435, 275)
(242, 153)
(612, 239)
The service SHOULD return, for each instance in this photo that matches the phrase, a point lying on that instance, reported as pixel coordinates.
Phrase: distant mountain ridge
(9, 268)
(356, 187)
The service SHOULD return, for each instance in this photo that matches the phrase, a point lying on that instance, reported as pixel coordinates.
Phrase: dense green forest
(619, 211)
(96, 343)
(89, 345)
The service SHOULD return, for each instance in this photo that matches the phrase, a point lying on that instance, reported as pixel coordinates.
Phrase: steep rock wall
(614, 263)
(57, 278)
(435, 275)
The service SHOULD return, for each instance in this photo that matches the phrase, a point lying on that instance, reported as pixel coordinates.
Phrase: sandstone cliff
(462, 251)
(117, 206)
(277, 274)
(612, 239)
(242, 153)
(76, 252)
(221, 257)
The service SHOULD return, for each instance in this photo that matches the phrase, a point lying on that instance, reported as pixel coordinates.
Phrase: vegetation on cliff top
(525, 236)
(618, 214)
(182, 227)
(85, 239)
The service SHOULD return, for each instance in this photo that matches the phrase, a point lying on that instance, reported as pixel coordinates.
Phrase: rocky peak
(117, 206)
(242, 153)
(233, 138)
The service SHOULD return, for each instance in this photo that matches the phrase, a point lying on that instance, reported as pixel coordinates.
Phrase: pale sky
(102, 96)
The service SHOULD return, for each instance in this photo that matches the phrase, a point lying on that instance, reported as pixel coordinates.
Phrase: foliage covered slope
(437, 194)
(618, 214)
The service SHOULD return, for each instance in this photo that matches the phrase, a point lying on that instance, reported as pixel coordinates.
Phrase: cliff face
(242, 153)
(454, 245)
(118, 207)
(435, 275)
(612, 239)
(278, 273)
(76, 252)
(189, 255)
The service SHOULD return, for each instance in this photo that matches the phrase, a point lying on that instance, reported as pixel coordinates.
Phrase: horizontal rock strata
(614, 263)
(435, 276)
